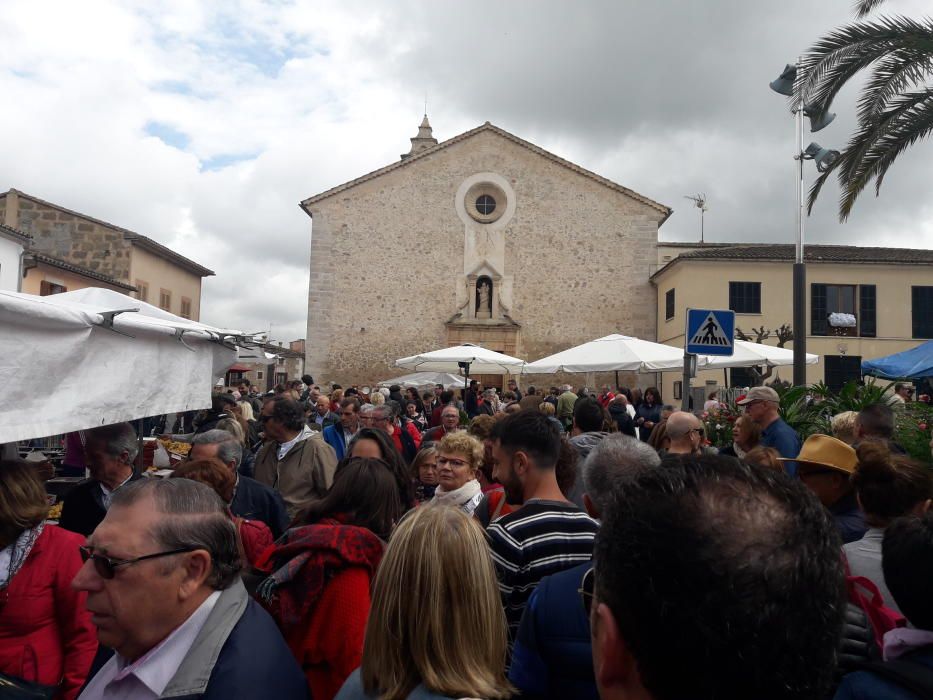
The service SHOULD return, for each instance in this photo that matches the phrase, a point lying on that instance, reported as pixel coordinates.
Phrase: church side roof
(664, 210)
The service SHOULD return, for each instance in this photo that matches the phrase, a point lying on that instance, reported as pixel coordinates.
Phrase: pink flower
(922, 426)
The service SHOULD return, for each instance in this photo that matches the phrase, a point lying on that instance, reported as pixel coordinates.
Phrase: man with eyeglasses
(450, 423)
(339, 434)
(685, 432)
(761, 405)
(162, 577)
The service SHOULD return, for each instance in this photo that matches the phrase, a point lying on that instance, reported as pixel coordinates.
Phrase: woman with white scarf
(459, 458)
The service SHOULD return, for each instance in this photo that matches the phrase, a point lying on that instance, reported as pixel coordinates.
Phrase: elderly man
(552, 656)
(826, 465)
(685, 432)
(162, 577)
(109, 452)
(339, 434)
(322, 417)
(450, 423)
(708, 572)
(405, 435)
(761, 405)
(251, 500)
(565, 403)
(295, 461)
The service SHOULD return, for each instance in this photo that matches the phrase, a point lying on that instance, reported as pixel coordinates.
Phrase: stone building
(483, 238)
(77, 243)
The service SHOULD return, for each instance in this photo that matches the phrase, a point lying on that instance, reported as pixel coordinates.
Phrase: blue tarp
(915, 363)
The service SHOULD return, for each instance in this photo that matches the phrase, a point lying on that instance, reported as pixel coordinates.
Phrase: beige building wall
(705, 284)
(35, 276)
(158, 274)
(578, 254)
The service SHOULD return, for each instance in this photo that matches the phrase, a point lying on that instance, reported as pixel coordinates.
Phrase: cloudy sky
(202, 124)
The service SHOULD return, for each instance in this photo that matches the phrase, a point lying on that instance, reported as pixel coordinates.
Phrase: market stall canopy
(748, 354)
(915, 363)
(482, 361)
(93, 357)
(613, 352)
(425, 379)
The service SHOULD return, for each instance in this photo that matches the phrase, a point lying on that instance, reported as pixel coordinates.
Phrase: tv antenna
(700, 201)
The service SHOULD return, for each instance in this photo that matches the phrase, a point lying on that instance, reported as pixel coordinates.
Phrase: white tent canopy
(68, 363)
(482, 361)
(425, 379)
(611, 353)
(749, 354)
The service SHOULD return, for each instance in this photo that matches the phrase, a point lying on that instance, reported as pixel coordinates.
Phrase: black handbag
(13, 688)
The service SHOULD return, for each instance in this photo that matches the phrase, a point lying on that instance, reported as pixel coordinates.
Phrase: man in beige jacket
(295, 461)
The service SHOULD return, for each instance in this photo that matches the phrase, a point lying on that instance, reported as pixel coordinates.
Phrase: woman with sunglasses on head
(320, 572)
(459, 458)
(375, 443)
(46, 634)
(436, 629)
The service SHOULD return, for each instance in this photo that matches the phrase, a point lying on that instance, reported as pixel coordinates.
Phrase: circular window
(485, 204)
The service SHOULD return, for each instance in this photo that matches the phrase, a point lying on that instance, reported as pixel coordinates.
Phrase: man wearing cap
(825, 466)
(761, 405)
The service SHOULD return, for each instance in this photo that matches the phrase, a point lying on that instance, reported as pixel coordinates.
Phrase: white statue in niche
(484, 298)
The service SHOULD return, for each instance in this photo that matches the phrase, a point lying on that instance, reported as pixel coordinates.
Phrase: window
(142, 290)
(867, 310)
(669, 305)
(259, 374)
(281, 377)
(840, 369)
(826, 299)
(745, 297)
(185, 307)
(921, 311)
(743, 376)
(485, 204)
(47, 288)
(165, 300)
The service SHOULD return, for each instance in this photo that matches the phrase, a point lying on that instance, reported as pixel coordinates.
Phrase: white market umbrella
(749, 354)
(612, 353)
(482, 361)
(425, 379)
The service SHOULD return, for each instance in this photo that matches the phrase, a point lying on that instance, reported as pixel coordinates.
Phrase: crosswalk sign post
(709, 332)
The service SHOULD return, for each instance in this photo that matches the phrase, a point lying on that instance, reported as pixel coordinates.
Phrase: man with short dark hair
(548, 533)
(109, 454)
(715, 579)
(295, 461)
(876, 422)
(251, 499)
(339, 434)
(162, 577)
(588, 430)
(531, 400)
(761, 404)
(513, 387)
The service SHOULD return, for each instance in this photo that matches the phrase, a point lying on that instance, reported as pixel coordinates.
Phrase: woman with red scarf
(321, 569)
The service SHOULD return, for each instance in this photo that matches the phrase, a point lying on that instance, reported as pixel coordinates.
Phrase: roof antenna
(700, 201)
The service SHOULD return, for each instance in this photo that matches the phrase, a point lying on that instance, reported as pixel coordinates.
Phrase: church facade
(483, 238)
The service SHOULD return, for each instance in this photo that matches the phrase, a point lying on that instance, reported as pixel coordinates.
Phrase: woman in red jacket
(46, 634)
(321, 570)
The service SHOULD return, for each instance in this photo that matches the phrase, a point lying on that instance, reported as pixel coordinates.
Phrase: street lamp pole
(800, 270)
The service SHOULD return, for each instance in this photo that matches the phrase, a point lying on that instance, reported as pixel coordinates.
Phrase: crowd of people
(380, 543)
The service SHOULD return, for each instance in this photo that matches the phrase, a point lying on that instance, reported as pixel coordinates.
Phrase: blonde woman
(459, 459)
(436, 627)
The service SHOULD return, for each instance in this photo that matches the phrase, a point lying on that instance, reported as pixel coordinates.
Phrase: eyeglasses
(441, 461)
(107, 567)
(699, 431)
(376, 419)
(263, 419)
(586, 591)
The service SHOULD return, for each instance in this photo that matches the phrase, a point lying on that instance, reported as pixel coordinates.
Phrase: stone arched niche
(483, 297)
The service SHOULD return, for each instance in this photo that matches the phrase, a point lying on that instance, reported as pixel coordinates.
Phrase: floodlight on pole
(823, 158)
(700, 201)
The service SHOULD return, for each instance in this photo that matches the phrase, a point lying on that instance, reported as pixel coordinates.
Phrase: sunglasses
(587, 591)
(107, 567)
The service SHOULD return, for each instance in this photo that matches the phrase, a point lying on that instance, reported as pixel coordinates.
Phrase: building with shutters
(69, 250)
(889, 291)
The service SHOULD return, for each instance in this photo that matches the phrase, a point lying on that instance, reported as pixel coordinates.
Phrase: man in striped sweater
(548, 533)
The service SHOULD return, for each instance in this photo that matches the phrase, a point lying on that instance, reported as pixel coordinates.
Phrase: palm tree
(895, 108)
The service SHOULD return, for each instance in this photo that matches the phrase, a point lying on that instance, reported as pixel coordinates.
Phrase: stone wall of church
(387, 259)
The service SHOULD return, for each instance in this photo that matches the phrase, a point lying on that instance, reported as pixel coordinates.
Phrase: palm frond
(900, 70)
(830, 63)
(865, 7)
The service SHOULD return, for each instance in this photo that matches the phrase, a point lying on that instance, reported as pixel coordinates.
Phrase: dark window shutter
(922, 311)
(669, 305)
(45, 288)
(819, 325)
(867, 310)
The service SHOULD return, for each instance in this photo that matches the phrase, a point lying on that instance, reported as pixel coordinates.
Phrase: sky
(203, 124)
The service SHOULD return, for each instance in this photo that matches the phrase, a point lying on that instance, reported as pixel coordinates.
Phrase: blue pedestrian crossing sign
(710, 331)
